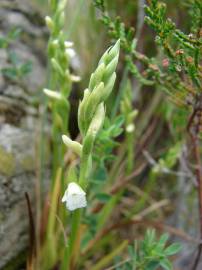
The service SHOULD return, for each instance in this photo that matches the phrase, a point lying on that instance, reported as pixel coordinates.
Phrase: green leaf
(150, 236)
(86, 239)
(103, 197)
(166, 264)
(3, 42)
(153, 265)
(13, 58)
(162, 241)
(100, 174)
(10, 73)
(173, 249)
(14, 33)
(26, 68)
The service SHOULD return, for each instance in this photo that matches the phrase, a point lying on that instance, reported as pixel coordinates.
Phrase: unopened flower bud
(52, 94)
(75, 78)
(57, 66)
(73, 145)
(130, 128)
(165, 62)
(68, 44)
(55, 43)
(49, 23)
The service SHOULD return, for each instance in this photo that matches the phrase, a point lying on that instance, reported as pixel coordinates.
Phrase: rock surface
(19, 120)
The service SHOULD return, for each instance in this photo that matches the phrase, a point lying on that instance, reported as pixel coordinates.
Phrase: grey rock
(19, 124)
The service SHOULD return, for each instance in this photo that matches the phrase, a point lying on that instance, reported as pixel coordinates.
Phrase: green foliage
(17, 69)
(182, 51)
(106, 140)
(104, 154)
(170, 158)
(130, 115)
(100, 4)
(118, 30)
(12, 35)
(151, 253)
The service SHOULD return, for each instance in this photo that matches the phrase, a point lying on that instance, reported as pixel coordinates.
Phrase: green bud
(109, 86)
(92, 102)
(133, 114)
(81, 112)
(103, 59)
(97, 76)
(97, 121)
(53, 5)
(93, 130)
(110, 68)
(110, 53)
(62, 4)
(61, 20)
(91, 111)
(57, 66)
(49, 23)
(100, 86)
(55, 43)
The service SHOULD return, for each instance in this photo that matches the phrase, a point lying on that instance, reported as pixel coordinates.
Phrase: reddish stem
(199, 181)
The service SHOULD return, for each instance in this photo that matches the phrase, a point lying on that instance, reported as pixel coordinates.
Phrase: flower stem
(69, 254)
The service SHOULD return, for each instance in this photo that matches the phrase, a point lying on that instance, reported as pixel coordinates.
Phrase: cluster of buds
(60, 53)
(91, 109)
(91, 114)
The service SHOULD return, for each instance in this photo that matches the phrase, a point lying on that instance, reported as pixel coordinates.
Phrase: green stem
(76, 217)
(83, 171)
(130, 142)
(85, 166)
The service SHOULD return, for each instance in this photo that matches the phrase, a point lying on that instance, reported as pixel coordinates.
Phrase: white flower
(70, 53)
(130, 128)
(74, 197)
(68, 44)
(75, 78)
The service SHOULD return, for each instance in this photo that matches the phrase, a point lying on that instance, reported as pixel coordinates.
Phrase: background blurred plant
(17, 69)
(60, 52)
(150, 253)
(178, 73)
